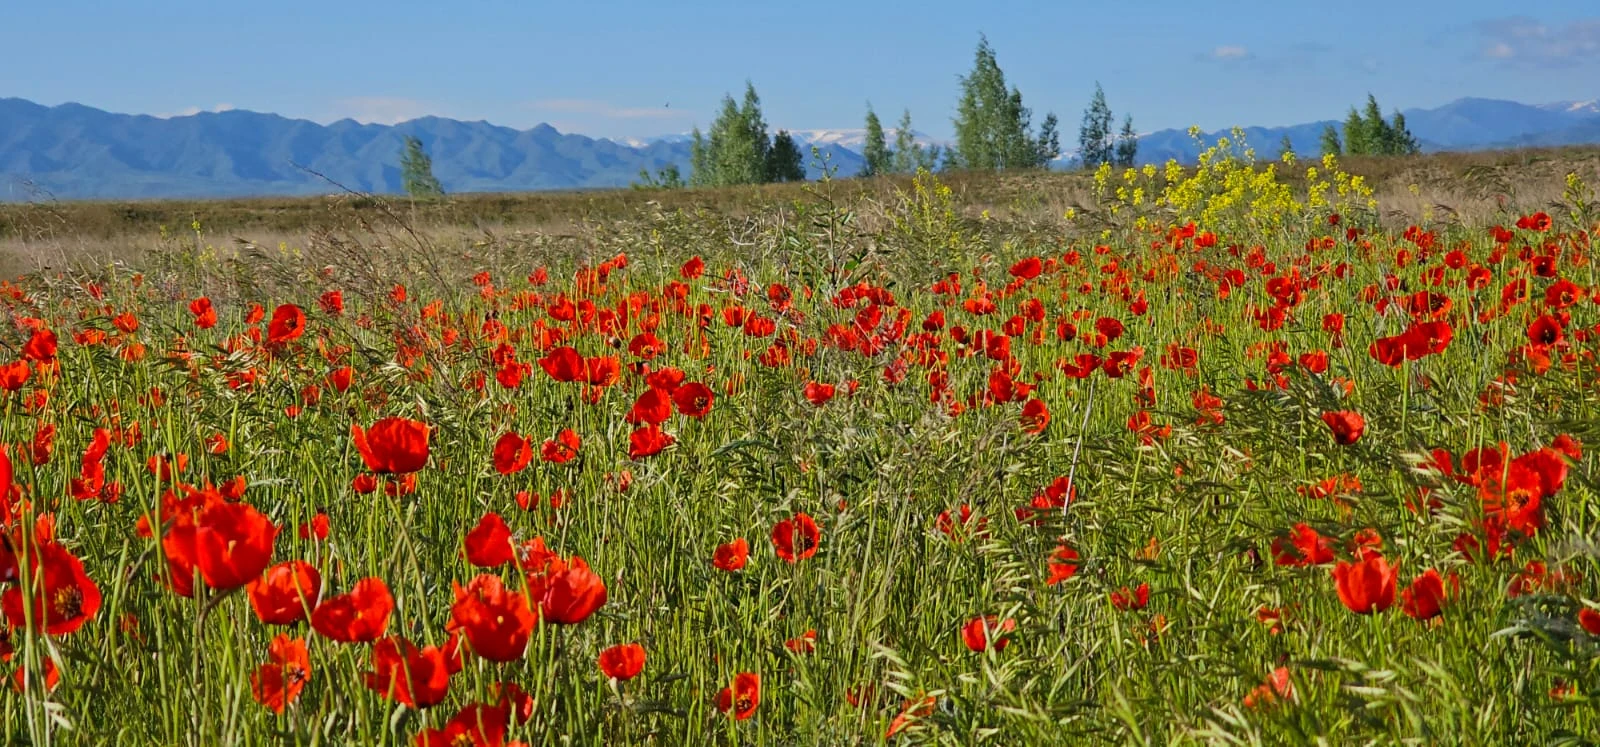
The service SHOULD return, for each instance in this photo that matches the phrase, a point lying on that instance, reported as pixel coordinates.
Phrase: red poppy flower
(285, 593)
(360, 616)
(731, 556)
(278, 682)
(14, 374)
(393, 446)
(65, 599)
(805, 643)
(1062, 565)
(910, 712)
(648, 441)
(818, 394)
(567, 592)
(479, 724)
(1346, 426)
(1027, 268)
(232, 544)
(331, 302)
(1589, 619)
(1277, 686)
(796, 539)
(667, 379)
(340, 378)
(1304, 546)
(692, 269)
(406, 674)
(496, 621)
(41, 346)
(1424, 598)
(954, 526)
(205, 317)
(488, 545)
(976, 633)
(653, 406)
(564, 364)
(364, 483)
(288, 323)
(693, 399)
(563, 448)
(1367, 585)
(1134, 599)
(602, 371)
(622, 662)
(1035, 416)
(740, 699)
(645, 345)
(512, 453)
(1546, 330)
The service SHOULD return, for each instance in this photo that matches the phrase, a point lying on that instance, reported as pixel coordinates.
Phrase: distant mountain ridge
(74, 151)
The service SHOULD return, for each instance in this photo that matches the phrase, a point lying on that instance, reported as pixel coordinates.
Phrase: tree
(783, 160)
(875, 151)
(1405, 144)
(1048, 146)
(909, 155)
(1285, 148)
(1380, 136)
(1357, 139)
(1127, 143)
(416, 171)
(735, 150)
(992, 124)
(1095, 143)
(1367, 134)
(1330, 141)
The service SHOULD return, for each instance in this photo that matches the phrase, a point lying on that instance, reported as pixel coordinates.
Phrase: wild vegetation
(1235, 453)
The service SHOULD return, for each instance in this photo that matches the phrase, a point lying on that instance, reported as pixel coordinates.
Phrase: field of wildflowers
(1219, 460)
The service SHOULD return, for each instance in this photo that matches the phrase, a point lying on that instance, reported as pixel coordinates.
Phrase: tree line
(1367, 134)
(993, 131)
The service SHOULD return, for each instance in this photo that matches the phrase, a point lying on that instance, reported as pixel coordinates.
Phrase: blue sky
(647, 68)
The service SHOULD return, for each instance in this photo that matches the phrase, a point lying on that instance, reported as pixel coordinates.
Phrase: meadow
(1234, 454)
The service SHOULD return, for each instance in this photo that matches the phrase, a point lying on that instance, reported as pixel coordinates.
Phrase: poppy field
(1222, 460)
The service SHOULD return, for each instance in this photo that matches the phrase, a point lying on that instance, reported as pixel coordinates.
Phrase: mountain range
(72, 151)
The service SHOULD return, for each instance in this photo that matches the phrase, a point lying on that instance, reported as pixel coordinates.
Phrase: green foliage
(1286, 148)
(992, 125)
(784, 160)
(1331, 145)
(1096, 145)
(1357, 138)
(1048, 146)
(667, 177)
(737, 149)
(1367, 134)
(1127, 143)
(909, 156)
(416, 171)
(876, 151)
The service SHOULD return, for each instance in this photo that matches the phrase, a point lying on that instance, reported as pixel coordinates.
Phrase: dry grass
(1445, 187)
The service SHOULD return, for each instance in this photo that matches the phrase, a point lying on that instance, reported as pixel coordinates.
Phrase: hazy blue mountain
(1463, 124)
(79, 152)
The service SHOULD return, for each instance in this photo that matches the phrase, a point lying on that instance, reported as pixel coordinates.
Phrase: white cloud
(1230, 52)
(1527, 41)
(385, 110)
